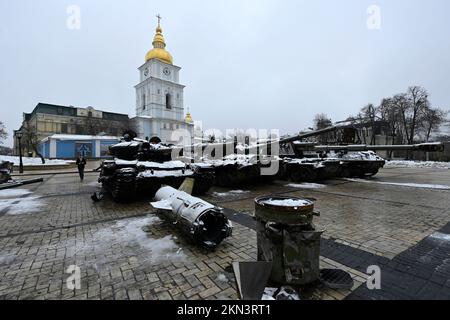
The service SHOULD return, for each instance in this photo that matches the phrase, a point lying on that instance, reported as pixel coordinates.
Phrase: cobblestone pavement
(125, 251)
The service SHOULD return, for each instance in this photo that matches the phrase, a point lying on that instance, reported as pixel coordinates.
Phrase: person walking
(81, 163)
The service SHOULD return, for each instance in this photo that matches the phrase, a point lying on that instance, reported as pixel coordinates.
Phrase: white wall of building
(153, 117)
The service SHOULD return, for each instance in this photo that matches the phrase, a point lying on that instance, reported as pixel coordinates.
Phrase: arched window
(143, 101)
(168, 101)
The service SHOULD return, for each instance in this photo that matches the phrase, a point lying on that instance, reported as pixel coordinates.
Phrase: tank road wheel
(221, 177)
(203, 182)
(227, 176)
(124, 185)
(355, 172)
(344, 172)
(123, 191)
(371, 174)
(303, 174)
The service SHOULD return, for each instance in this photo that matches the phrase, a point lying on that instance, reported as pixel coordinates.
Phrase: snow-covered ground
(34, 161)
(13, 193)
(410, 185)
(222, 278)
(14, 205)
(306, 185)
(417, 164)
(440, 236)
(128, 234)
(131, 234)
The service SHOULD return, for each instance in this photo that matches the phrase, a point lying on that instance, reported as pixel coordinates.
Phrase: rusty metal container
(287, 237)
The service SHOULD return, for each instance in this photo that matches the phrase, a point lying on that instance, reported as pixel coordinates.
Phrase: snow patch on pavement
(441, 236)
(20, 206)
(13, 193)
(417, 164)
(131, 236)
(229, 193)
(34, 161)
(126, 239)
(222, 278)
(409, 185)
(306, 185)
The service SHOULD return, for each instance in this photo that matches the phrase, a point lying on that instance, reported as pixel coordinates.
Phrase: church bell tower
(159, 95)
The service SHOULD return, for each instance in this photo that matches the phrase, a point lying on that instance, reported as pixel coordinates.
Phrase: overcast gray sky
(246, 63)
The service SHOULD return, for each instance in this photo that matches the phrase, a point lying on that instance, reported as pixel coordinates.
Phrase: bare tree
(368, 115)
(321, 121)
(3, 133)
(31, 140)
(400, 105)
(389, 114)
(406, 117)
(417, 98)
(6, 151)
(431, 119)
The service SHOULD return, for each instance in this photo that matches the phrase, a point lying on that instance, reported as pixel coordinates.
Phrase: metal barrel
(287, 238)
(267, 210)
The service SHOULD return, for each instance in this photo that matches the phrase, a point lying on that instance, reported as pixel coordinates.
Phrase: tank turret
(141, 168)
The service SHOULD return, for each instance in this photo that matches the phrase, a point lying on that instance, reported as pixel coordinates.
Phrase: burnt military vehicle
(353, 160)
(141, 167)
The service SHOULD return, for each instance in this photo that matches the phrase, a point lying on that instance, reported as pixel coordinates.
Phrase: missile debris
(202, 222)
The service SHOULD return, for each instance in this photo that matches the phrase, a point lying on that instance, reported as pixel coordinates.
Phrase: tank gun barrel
(426, 147)
(314, 133)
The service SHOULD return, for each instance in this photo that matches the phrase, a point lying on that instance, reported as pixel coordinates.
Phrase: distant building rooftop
(70, 111)
(79, 137)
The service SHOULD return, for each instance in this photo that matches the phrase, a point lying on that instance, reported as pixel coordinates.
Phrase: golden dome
(188, 118)
(159, 48)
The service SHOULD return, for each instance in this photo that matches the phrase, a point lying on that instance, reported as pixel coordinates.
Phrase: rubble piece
(31, 181)
(287, 293)
(17, 183)
(202, 222)
(97, 196)
(6, 168)
(267, 297)
(269, 293)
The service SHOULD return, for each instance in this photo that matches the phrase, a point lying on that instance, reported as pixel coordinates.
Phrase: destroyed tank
(237, 169)
(141, 168)
(354, 160)
(237, 164)
(6, 168)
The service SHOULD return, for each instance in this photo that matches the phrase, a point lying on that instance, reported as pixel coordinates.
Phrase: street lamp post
(19, 136)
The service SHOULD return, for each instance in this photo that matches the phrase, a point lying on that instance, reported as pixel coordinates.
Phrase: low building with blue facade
(63, 146)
